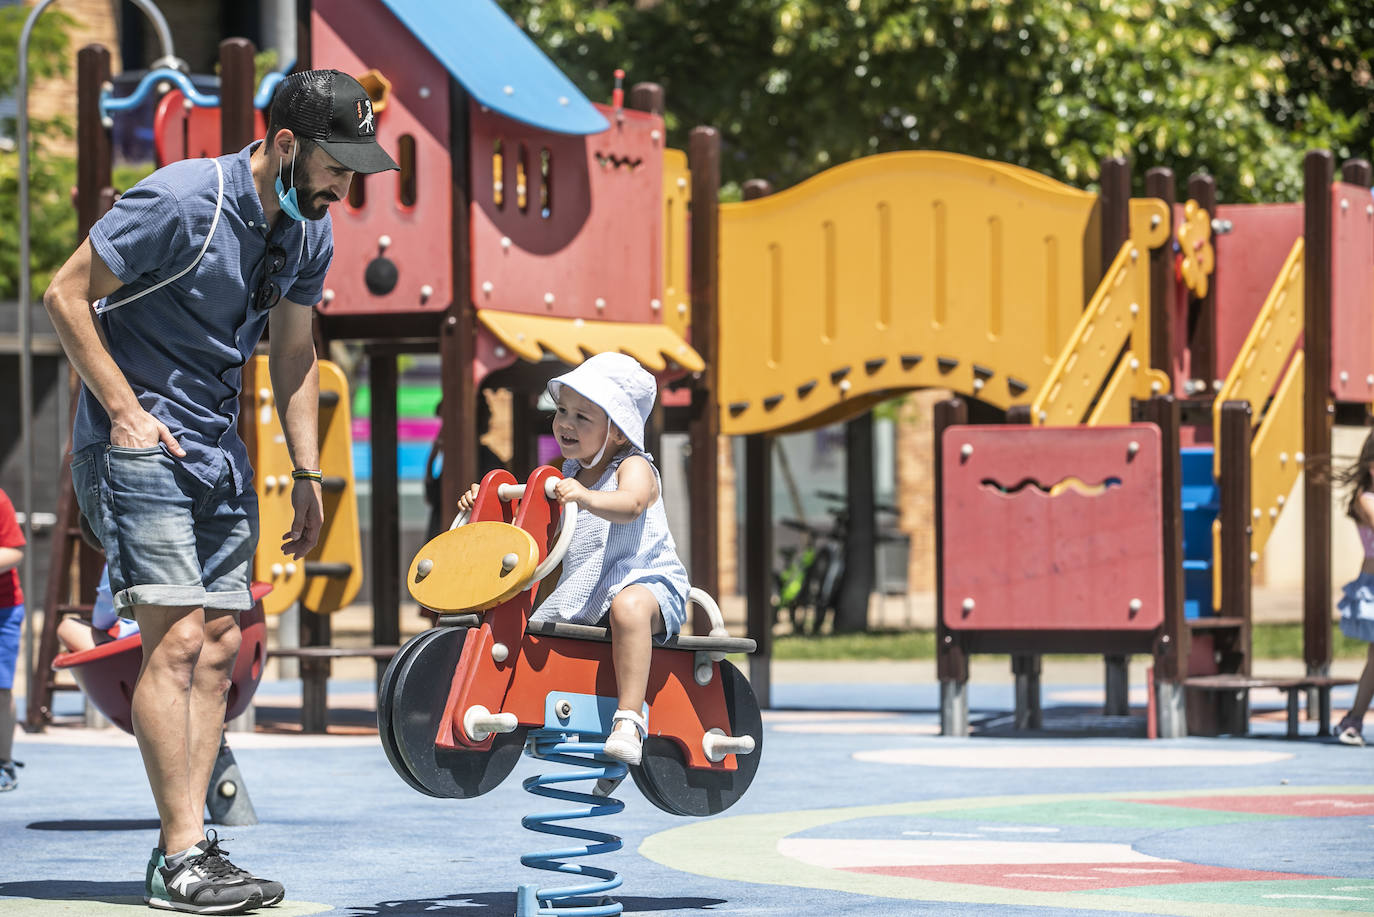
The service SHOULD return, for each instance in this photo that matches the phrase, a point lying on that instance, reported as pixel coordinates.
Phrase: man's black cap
(332, 109)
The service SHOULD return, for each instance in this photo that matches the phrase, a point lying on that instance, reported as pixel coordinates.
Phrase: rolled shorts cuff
(181, 596)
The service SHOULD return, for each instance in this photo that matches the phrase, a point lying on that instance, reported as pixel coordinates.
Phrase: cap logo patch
(365, 122)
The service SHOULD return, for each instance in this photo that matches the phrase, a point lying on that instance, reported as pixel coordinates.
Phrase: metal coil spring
(581, 900)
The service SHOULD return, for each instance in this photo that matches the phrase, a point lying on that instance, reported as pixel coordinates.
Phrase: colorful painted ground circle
(1157, 853)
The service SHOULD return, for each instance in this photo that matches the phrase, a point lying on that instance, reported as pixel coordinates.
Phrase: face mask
(287, 199)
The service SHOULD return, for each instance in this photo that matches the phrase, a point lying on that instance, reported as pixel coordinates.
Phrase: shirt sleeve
(309, 284)
(142, 233)
(11, 535)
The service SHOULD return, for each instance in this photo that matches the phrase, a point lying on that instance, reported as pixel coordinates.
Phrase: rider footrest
(687, 642)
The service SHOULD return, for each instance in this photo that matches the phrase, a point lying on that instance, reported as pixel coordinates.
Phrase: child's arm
(636, 490)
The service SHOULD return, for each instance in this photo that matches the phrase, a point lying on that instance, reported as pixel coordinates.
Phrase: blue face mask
(287, 199)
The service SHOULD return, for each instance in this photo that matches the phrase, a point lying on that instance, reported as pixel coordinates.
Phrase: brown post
(524, 419)
(304, 51)
(758, 560)
(951, 662)
(1202, 313)
(1159, 183)
(1317, 412)
(458, 327)
(236, 92)
(1234, 643)
(386, 506)
(1357, 172)
(703, 157)
(92, 137)
(647, 97)
(1171, 650)
(1116, 207)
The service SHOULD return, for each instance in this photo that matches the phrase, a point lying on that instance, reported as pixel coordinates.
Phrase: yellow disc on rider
(472, 567)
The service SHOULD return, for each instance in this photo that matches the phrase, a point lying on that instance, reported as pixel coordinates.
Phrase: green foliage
(795, 86)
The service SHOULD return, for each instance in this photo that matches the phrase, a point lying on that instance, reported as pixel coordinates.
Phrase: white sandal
(627, 745)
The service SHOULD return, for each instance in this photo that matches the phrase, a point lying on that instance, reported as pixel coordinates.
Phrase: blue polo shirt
(181, 337)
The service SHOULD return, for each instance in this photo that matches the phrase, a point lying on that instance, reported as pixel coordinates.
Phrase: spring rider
(461, 702)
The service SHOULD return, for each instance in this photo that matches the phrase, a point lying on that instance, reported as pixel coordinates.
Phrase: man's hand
(139, 430)
(307, 521)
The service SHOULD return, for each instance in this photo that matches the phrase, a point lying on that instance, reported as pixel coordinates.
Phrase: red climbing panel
(1352, 293)
(580, 235)
(1052, 528)
(1248, 260)
(182, 131)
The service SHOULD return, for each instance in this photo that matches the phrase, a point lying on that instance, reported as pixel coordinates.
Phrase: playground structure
(460, 701)
(527, 222)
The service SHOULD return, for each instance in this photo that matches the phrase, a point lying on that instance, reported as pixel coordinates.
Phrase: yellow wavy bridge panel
(898, 271)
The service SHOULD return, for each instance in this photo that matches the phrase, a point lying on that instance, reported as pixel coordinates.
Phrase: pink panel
(355, 36)
(1248, 261)
(600, 239)
(190, 133)
(1352, 293)
(1035, 562)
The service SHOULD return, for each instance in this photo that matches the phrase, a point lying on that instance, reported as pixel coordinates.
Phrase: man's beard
(313, 203)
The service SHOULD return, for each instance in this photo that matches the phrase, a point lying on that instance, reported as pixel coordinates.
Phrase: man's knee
(222, 641)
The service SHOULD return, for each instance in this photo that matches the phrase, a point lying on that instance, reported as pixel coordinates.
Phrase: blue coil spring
(580, 900)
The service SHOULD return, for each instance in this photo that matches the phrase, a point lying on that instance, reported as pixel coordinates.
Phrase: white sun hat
(616, 383)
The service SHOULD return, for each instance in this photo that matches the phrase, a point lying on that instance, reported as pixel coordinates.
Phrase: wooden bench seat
(1322, 684)
(689, 642)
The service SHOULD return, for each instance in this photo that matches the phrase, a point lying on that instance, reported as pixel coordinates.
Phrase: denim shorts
(169, 539)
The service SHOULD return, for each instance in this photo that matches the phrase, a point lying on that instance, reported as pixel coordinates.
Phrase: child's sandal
(627, 745)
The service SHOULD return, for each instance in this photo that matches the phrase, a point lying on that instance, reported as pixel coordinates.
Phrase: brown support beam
(758, 561)
(703, 158)
(951, 662)
(1317, 411)
(1233, 645)
(236, 90)
(386, 506)
(1116, 207)
(1357, 172)
(458, 328)
(1171, 653)
(304, 51)
(1202, 313)
(647, 97)
(92, 137)
(1159, 183)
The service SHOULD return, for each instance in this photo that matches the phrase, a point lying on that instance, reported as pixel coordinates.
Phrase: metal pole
(25, 293)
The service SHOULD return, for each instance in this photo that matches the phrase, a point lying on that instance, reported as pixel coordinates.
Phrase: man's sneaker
(200, 884)
(8, 778)
(272, 892)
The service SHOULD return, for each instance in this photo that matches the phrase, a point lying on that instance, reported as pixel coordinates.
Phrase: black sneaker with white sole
(202, 883)
(272, 892)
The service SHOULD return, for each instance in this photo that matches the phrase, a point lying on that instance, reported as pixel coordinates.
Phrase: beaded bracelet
(304, 474)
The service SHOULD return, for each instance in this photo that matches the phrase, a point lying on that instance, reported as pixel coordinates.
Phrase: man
(158, 310)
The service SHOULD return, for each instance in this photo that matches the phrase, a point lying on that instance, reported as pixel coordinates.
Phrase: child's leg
(635, 619)
(1364, 691)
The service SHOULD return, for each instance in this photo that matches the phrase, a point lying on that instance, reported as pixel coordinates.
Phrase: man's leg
(172, 643)
(209, 691)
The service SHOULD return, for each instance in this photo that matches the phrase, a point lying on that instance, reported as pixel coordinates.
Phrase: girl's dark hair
(1359, 479)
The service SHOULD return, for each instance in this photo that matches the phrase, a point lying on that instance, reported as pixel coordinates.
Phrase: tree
(1054, 85)
(52, 219)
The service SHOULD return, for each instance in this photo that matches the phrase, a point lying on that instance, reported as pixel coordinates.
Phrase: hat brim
(363, 158)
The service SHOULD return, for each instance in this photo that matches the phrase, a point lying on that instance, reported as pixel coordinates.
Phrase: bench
(1290, 686)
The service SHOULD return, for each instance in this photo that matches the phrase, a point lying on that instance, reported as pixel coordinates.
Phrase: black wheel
(665, 779)
(417, 707)
(386, 692)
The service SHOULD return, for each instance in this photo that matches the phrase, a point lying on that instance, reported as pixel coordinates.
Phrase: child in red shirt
(11, 621)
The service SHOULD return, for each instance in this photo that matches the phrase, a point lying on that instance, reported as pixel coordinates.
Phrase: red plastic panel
(1018, 558)
(356, 36)
(187, 132)
(588, 241)
(1248, 261)
(1352, 293)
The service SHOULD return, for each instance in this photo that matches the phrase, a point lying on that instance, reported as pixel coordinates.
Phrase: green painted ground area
(1112, 813)
(1314, 895)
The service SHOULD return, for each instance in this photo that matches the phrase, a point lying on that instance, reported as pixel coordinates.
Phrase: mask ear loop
(293, 165)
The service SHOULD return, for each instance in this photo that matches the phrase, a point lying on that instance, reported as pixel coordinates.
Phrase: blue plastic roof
(498, 63)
